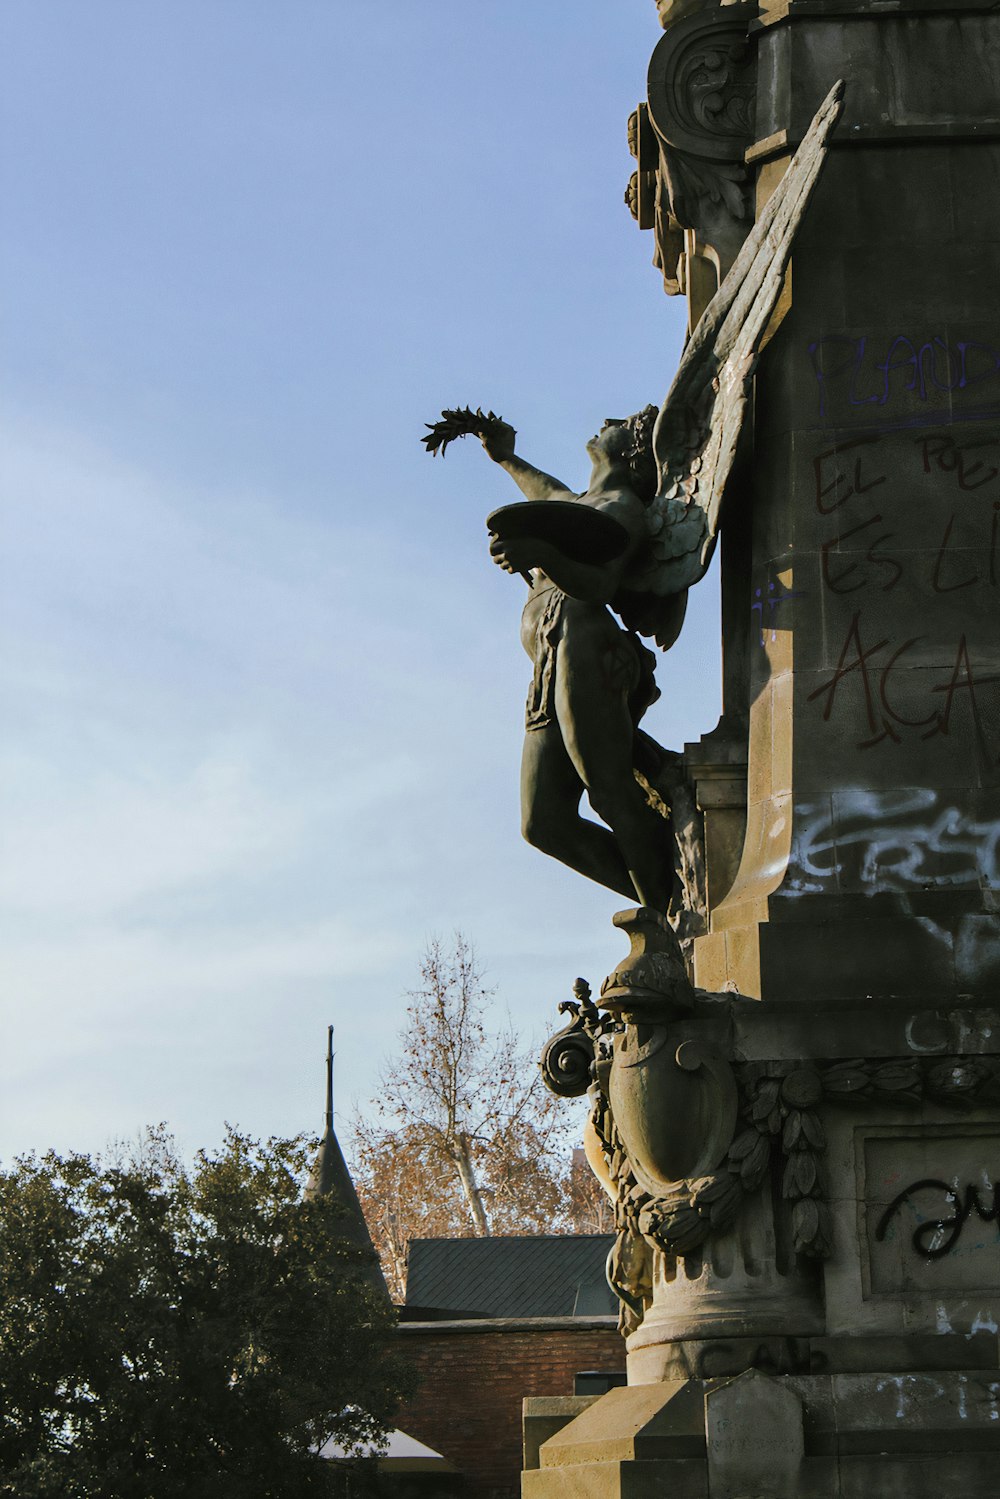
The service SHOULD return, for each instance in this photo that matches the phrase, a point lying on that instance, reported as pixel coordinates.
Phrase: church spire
(329, 1078)
(331, 1177)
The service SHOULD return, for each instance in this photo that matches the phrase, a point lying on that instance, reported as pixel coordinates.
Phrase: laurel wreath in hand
(462, 422)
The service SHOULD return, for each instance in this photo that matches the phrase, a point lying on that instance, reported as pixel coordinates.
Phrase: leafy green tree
(167, 1331)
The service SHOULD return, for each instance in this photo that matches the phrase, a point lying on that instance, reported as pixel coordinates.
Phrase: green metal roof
(552, 1275)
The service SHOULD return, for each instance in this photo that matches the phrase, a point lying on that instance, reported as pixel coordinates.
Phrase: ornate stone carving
(674, 1106)
(652, 981)
(680, 1217)
(644, 146)
(701, 85)
(568, 1056)
(684, 1136)
(700, 113)
(955, 1081)
(784, 1097)
(701, 91)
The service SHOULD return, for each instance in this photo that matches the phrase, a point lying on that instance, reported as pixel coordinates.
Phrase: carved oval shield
(675, 1107)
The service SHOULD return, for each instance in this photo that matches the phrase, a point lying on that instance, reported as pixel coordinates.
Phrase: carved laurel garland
(778, 1120)
(677, 1223)
(955, 1081)
(776, 1111)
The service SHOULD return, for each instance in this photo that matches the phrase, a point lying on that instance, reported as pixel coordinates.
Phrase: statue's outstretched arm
(497, 437)
(531, 481)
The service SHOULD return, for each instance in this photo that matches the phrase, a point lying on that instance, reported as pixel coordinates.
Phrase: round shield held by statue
(581, 533)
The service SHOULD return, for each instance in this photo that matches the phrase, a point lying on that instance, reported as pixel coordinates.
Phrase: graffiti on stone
(938, 1236)
(897, 840)
(914, 379)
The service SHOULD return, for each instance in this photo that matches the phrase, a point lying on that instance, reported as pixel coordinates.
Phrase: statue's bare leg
(591, 701)
(551, 791)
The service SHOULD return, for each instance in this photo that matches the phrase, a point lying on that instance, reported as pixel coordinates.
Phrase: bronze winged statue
(640, 535)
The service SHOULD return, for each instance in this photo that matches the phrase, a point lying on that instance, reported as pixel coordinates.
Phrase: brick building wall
(474, 1375)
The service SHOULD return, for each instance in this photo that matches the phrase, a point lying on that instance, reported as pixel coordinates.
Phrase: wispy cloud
(204, 767)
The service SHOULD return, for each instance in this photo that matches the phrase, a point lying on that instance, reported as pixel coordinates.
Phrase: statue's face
(611, 441)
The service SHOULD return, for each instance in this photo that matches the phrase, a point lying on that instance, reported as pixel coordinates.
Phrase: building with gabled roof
(491, 1322)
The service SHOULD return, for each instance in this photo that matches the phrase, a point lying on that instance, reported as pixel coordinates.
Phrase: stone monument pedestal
(872, 1360)
(755, 1436)
(809, 1247)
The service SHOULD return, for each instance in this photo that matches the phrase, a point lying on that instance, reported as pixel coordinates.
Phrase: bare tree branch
(470, 1142)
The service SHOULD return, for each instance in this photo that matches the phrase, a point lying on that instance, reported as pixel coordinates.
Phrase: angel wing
(696, 432)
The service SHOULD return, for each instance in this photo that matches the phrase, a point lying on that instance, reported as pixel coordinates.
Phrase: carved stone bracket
(694, 191)
(701, 85)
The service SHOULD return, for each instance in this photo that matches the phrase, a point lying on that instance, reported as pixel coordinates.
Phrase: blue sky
(262, 691)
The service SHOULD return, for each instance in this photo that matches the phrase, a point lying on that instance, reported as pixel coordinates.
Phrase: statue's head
(631, 438)
(640, 452)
